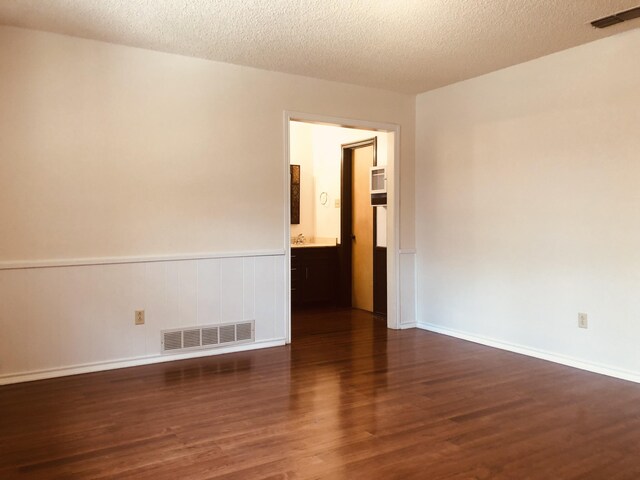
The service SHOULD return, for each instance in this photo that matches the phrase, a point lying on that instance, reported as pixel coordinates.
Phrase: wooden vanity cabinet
(314, 275)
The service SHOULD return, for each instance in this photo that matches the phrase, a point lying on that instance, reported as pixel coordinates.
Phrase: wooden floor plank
(348, 399)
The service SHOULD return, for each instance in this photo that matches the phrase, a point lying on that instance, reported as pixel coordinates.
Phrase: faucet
(299, 240)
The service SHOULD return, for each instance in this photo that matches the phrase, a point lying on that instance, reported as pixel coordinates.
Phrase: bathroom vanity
(314, 273)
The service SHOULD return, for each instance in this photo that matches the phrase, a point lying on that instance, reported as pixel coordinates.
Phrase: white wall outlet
(337, 203)
(139, 317)
(582, 320)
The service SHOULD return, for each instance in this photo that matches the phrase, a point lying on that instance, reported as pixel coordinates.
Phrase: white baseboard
(533, 352)
(404, 326)
(132, 362)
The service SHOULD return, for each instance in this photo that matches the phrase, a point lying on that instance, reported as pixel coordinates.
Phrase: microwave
(378, 185)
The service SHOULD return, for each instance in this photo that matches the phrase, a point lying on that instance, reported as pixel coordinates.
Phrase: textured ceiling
(404, 45)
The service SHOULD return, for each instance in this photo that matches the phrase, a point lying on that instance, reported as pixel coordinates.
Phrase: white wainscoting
(407, 289)
(63, 320)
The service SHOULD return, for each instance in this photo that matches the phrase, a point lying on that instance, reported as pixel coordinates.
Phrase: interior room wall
(115, 151)
(527, 206)
(301, 141)
(327, 158)
(112, 154)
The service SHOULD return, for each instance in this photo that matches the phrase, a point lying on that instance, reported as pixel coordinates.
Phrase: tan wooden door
(362, 253)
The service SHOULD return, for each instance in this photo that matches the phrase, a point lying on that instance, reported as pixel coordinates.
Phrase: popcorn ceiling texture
(409, 46)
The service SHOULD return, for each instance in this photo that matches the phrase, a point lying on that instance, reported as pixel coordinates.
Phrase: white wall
(116, 151)
(319, 148)
(528, 206)
(301, 145)
(112, 153)
(327, 159)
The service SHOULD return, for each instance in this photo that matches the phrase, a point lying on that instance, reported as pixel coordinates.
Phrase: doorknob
(353, 237)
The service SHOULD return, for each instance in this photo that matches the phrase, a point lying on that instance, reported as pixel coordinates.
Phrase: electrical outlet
(337, 203)
(139, 317)
(582, 320)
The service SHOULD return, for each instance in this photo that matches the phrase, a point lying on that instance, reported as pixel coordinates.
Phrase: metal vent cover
(228, 334)
(172, 340)
(244, 331)
(619, 17)
(207, 336)
(191, 338)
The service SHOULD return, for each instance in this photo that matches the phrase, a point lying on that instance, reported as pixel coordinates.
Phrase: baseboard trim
(9, 379)
(404, 326)
(533, 352)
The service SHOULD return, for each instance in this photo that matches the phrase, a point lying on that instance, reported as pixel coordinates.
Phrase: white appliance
(378, 185)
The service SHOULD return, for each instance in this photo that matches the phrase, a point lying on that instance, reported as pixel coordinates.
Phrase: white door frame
(393, 209)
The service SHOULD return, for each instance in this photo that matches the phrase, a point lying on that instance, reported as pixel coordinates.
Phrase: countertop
(314, 245)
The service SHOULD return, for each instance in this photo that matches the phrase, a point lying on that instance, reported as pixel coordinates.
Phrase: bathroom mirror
(295, 193)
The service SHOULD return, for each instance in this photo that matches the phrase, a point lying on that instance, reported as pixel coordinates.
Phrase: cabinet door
(319, 276)
(320, 280)
(314, 275)
(295, 278)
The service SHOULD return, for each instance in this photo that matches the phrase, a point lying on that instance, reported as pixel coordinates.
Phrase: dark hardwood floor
(348, 399)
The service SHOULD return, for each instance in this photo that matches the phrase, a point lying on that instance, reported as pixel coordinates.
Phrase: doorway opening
(340, 246)
(364, 258)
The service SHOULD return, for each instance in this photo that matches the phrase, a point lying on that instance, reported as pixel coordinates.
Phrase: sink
(315, 242)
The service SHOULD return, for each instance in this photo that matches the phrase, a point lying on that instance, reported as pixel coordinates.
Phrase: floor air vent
(208, 336)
